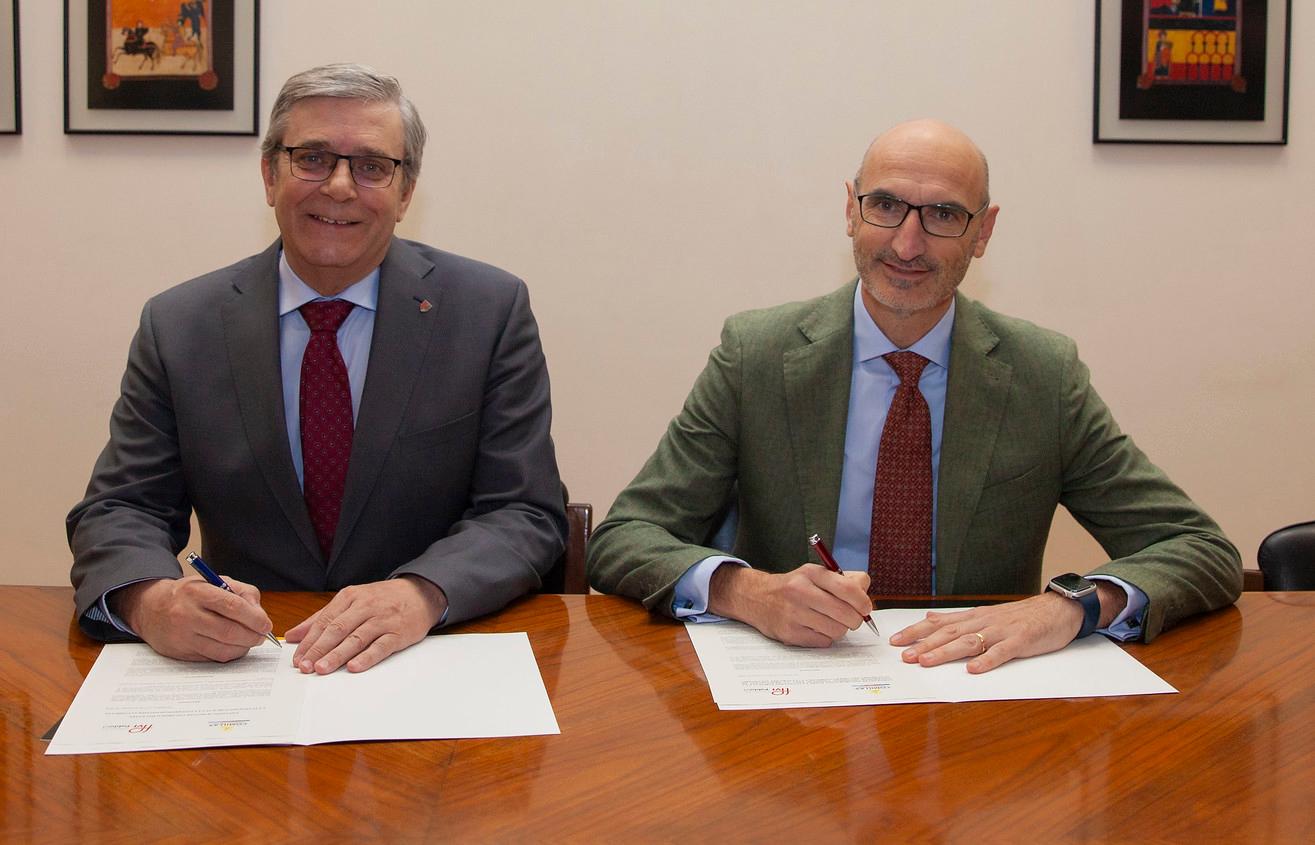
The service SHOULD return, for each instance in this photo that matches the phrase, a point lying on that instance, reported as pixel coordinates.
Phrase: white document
(444, 687)
(748, 671)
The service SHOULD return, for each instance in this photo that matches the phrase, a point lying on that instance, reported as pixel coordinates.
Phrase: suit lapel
(402, 333)
(817, 376)
(975, 399)
(251, 333)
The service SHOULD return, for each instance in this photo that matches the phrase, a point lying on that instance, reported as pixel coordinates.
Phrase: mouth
(332, 221)
(903, 273)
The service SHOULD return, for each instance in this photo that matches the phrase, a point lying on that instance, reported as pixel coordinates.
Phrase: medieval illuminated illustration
(160, 54)
(158, 39)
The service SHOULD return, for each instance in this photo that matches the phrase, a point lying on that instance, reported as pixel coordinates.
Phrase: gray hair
(349, 82)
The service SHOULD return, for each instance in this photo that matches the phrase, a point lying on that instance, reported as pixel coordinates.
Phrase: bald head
(958, 161)
(908, 273)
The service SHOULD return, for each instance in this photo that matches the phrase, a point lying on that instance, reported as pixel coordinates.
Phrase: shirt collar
(294, 293)
(870, 342)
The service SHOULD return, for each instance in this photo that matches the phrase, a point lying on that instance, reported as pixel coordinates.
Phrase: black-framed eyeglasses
(941, 220)
(315, 165)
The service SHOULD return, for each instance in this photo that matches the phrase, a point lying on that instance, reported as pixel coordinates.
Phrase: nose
(340, 185)
(910, 240)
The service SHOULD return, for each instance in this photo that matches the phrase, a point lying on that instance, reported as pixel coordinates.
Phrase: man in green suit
(786, 425)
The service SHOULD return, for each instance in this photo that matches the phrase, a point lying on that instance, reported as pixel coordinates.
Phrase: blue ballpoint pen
(209, 575)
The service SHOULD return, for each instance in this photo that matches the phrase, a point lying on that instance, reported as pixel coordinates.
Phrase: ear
(984, 233)
(267, 176)
(851, 210)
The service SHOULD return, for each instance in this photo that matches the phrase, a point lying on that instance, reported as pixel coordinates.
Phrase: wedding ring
(981, 642)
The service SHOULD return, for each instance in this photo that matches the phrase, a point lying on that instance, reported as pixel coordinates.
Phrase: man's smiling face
(335, 232)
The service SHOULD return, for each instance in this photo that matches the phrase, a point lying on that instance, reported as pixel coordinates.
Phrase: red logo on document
(780, 690)
(139, 729)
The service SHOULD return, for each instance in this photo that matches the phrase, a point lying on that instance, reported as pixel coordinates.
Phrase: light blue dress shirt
(354, 337)
(871, 389)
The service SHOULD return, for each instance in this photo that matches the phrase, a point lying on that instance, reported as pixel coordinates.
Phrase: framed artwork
(1192, 71)
(161, 67)
(11, 101)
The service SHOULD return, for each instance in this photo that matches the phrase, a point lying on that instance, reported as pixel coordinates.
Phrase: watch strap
(1091, 613)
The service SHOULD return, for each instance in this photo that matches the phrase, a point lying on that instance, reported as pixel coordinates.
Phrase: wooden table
(645, 755)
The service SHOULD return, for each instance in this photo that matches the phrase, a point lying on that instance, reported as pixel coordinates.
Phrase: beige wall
(652, 167)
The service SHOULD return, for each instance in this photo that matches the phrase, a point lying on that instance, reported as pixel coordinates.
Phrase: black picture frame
(1140, 99)
(11, 94)
(194, 73)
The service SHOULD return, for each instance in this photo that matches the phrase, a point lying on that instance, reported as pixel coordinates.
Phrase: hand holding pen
(830, 563)
(209, 575)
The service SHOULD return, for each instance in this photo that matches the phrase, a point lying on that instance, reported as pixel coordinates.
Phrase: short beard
(937, 288)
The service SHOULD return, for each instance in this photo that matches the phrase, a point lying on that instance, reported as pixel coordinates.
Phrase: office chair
(1287, 558)
(567, 574)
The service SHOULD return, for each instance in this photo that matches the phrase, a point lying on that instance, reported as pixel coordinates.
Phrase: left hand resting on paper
(364, 624)
(1035, 625)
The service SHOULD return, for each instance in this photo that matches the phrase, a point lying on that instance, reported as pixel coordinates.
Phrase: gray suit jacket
(1024, 432)
(452, 475)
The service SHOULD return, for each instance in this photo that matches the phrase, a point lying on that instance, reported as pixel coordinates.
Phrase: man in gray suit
(790, 418)
(398, 453)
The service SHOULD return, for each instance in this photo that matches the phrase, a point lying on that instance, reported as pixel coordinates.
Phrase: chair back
(1287, 558)
(567, 574)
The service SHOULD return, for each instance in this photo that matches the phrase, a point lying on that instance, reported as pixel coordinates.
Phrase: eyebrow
(894, 196)
(317, 144)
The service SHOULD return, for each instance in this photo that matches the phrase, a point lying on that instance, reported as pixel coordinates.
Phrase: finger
(802, 635)
(246, 591)
(995, 656)
(969, 645)
(928, 625)
(851, 588)
(230, 606)
(332, 632)
(378, 650)
(861, 582)
(833, 596)
(938, 639)
(826, 625)
(217, 615)
(222, 630)
(308, 632)
(205, 648)
(352, 644)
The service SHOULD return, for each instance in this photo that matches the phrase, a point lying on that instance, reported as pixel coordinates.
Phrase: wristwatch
(1074, 586)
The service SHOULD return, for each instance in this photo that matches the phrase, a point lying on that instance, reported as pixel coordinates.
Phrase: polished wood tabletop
(645, 755)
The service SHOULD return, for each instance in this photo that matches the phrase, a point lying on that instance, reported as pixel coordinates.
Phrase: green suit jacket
(1024, 432)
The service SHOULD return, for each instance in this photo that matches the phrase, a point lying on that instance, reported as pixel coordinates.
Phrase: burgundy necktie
(326, 418)
(899, 553)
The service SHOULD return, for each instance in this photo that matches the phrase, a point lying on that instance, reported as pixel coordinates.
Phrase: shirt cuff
(1128, 624)
(100, 611)
(690, 603)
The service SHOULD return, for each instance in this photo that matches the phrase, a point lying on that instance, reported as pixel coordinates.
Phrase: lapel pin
(425, 304)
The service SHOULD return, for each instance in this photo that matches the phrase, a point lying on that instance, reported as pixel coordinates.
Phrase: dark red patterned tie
(326, 418)
(899, 553)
